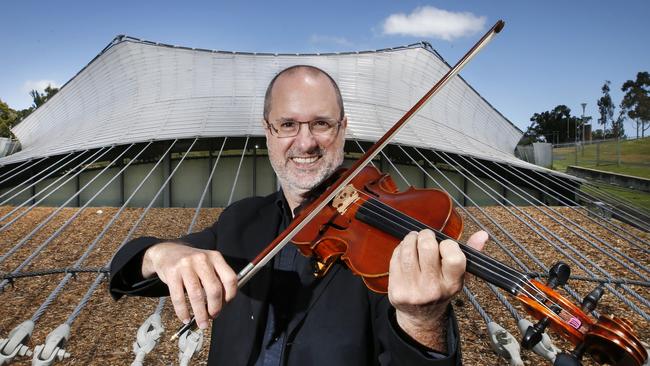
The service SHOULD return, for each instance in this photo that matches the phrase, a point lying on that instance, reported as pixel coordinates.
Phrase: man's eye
(322, 124)
(288, 125)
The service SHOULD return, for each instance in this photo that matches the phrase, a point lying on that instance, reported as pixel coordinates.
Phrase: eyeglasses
(317, 127)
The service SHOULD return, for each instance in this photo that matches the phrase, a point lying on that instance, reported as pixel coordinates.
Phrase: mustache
(301, 154)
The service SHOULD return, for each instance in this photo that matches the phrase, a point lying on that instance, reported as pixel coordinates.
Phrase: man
(284, 315)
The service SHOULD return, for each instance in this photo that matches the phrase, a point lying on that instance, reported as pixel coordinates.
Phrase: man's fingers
(408, 253)
(428, 255)
(212, 288)
(227, 276)
(452, 264)
(196, 295)
(478, 240)
(177, 296)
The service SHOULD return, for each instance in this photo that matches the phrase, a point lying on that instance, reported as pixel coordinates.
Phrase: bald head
(300, 70)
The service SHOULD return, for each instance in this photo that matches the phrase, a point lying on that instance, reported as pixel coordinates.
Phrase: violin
(369, 217)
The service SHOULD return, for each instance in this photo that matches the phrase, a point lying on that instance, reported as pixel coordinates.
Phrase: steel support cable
(559, 239)
(31, 178)
(196, 212)
(615, 203)
(362, 149)
(48, 171)
(590, 197)
(523, 248)
(34, 231)
(513, 188)
(47, 241)
(146, 341)
(29, 236)
(604, 226)
(33, 161)
(594, 245)
(503, 247)
(207, 186)
(77, 171)
(467, 292)
(512, 170)
(243, 153)
(506, 250)
(101, 276)
(53, 295)
(53, 271)
(578, 263)
(395, 168)
(598, 188)
(472, 299)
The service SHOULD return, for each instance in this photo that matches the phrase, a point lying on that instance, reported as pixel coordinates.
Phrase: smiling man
(284, 315)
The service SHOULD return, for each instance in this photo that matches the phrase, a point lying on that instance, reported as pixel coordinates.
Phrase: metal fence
(597, 153)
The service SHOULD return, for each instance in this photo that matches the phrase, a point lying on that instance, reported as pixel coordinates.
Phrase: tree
(557, 125)
(636, 100)
(605, 107)
(8, 118)
(40, 99)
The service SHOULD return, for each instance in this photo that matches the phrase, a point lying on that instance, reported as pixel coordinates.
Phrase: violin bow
(309, 212)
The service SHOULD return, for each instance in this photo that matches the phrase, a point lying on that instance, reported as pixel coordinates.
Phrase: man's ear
(265, 127)
(344, 123)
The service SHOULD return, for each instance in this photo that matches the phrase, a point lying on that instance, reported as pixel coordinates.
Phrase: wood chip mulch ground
(105, 329)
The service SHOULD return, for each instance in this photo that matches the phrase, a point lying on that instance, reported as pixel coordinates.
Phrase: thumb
(478, 240)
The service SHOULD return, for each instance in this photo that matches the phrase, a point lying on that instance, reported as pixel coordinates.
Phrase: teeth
(305, 160)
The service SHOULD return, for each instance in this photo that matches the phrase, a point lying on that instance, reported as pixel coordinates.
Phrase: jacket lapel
(257, 289)
(311, 292)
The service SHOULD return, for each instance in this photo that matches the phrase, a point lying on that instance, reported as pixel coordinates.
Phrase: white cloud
(339, 41)
(428, 21)
(39, 85)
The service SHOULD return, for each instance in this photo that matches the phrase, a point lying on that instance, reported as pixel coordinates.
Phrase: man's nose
(305, 140)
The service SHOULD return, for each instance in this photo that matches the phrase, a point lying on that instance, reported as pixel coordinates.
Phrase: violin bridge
(345, 198)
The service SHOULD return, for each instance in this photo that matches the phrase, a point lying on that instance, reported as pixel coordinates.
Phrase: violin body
(358, 215)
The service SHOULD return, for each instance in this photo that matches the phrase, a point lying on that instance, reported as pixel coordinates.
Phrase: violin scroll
(608, 339)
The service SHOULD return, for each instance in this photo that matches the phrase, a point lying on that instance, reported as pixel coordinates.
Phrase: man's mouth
(305, 160)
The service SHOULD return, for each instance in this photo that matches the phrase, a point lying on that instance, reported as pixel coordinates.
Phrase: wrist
(429, 331)
(149, 259)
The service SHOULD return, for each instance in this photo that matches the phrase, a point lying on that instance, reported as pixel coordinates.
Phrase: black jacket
(338, 321)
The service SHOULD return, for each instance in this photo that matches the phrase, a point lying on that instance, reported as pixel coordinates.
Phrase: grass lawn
(634, 160)
(637, 198)
(634, 157)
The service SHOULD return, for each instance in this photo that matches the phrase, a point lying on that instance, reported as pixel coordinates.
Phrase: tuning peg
(534, 334)
(590, 301)
(558, 275)
(570, 359)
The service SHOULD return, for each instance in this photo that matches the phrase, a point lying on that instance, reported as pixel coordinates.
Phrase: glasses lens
(321, 127)
(316, 127)
(287, 128)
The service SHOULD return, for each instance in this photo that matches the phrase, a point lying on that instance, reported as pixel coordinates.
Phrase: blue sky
(550, 53)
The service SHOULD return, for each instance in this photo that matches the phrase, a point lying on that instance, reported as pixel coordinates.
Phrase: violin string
(480, 257)
(477, 262)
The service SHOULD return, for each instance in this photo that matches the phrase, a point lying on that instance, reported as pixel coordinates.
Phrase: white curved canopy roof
(136, 91)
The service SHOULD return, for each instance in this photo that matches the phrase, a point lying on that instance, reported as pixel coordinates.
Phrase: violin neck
(397, 224)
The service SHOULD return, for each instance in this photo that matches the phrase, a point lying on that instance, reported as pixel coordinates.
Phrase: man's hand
(424, 275)
(203, 274)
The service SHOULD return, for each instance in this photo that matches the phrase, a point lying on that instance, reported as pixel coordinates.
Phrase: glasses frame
(274, 131)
